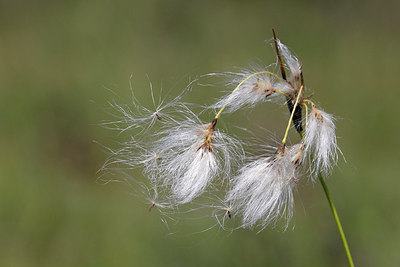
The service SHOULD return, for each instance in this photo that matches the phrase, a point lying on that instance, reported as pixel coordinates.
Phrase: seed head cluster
(187, 161)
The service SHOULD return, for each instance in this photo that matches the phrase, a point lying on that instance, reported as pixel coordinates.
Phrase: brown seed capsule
(158, 116)
(152, 206)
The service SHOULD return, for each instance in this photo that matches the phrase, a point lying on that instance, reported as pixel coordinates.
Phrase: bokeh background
(57, 57)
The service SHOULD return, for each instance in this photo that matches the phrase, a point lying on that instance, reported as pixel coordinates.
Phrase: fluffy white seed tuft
(291, 60)
(193, 154)
(253, 86)
(320, 142)
(135, 117)
(263, 190)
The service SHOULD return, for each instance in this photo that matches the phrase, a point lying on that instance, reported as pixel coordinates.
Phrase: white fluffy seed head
(293, 72)
(291, 60)
(193, 155)
(137, 119)
(199, 171)
(320, 142)
(263, 190)
(250, 91)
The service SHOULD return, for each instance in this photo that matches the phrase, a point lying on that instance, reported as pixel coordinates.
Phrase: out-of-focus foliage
(57, 57)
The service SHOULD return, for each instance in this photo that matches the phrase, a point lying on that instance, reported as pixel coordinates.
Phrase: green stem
(335, 215)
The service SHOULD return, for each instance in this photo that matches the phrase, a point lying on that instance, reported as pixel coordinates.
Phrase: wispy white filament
(137, 117)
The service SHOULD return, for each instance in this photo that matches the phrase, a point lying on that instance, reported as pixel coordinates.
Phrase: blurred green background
(56, 57)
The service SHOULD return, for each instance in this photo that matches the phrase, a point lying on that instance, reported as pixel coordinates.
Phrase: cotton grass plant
(187, 162)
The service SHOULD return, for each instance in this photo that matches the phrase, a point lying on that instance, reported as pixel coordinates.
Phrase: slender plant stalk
(335, 215)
